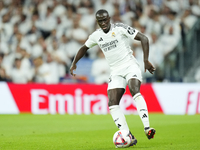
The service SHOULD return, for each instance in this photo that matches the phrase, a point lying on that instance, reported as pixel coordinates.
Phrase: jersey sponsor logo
(113, 34)
(109, 45)
(101, 39)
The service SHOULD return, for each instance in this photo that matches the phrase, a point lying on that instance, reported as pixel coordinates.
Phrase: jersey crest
(113, 34)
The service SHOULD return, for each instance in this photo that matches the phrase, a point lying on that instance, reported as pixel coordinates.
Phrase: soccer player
(113, 39)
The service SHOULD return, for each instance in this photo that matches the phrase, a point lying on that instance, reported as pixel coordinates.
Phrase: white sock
(118, 117)
(142, 109)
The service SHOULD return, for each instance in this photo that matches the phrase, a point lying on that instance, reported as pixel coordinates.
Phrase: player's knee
(134, 90)
(134, 86)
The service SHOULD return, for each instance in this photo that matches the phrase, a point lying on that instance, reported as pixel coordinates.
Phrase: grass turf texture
(95, 132)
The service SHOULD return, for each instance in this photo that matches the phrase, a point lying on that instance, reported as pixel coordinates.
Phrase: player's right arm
(82, 51)
(91, 41)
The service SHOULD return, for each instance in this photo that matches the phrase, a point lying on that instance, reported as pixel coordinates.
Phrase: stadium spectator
(3, 9)
(105, 4)
(54, 69)
(188, 19)
(77, 33)
(33, 33)
(25, 24)
(24, 42)
(68, 18)
(87, 20)
(7, 63)
(58, 8)
(6, 27)
(3, 76)
(195, 5)
(173, 21)
(18, 74)
(53, 37)
(25, 61)
(116, 17)
(13, 38)
(77, 36)
(36, 47)
(42, 71)
(61, 26)
(127, 15)
(66, 47)
(47, 22)
(60, 57)
(169, 40)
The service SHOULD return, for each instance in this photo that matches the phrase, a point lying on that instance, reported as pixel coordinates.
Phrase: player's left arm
(145, 47)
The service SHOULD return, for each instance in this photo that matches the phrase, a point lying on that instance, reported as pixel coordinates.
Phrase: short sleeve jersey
(114, 44)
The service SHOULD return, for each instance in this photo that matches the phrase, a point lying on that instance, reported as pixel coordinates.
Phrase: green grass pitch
(95, 132)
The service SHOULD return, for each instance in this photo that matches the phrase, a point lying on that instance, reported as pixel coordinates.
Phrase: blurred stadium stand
(39, 38)
(183, 62)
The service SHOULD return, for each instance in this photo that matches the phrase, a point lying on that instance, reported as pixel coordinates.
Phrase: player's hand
(148, 66)
(72, 68)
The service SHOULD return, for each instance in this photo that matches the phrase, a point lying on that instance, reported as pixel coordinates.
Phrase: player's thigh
(116, 88)
(116, 81)
(134, 78)
(115, 95)
(133, 72)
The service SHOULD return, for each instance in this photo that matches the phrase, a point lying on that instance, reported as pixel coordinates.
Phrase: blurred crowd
(39, 38)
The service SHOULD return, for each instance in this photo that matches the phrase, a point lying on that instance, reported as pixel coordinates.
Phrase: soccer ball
(122, 138)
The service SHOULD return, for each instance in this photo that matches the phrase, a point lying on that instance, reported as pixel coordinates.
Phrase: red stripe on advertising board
(82, 93)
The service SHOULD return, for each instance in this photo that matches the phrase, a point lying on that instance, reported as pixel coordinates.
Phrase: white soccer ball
(122, 138)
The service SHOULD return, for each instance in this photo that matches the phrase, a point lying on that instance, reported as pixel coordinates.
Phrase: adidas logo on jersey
(100, 39)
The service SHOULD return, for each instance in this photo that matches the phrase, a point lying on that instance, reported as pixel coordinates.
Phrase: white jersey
(115, 44)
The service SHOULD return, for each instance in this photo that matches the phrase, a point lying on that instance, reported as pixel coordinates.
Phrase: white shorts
(119, 78)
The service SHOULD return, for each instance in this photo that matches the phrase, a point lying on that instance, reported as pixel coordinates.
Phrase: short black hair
(101, 11)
